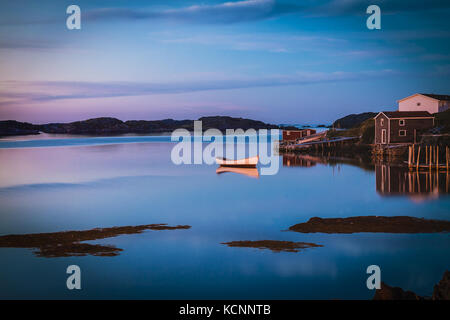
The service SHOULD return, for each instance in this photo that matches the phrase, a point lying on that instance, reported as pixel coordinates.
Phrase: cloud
(28, 44)
(13, 92)
(268, 42)
(358, 7)
(243, 11)
(223, 13)
(254, 10)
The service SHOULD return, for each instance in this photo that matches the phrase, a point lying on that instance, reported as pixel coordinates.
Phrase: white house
(425, 102)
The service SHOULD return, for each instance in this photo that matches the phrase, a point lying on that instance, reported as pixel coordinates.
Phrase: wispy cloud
(257, 41)
(242, 11)
(18, 43)
(13, 92)
(228, 12)
(358, 7)
(222, 13)
(254, 10)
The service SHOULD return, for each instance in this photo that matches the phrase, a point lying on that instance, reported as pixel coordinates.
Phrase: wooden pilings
(431, 158)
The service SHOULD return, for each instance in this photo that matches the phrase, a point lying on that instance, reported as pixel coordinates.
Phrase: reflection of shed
(294, 135)
(401, 126)
(393, 180)
(291, 160)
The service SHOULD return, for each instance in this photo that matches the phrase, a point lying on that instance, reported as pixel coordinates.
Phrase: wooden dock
(319, 145)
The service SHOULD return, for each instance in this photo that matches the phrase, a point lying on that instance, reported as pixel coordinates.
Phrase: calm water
(70, 184)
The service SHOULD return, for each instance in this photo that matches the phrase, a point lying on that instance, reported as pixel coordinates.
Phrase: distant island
(110, 126)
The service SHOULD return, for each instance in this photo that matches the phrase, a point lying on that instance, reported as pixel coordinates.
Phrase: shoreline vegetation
(113, 126)
(351, 136)
(68, 243)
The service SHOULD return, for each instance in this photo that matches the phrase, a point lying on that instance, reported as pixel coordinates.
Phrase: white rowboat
(247, 162)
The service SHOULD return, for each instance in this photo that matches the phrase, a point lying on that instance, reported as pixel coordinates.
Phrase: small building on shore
(293, 135)
(393, 127)
(432, 103)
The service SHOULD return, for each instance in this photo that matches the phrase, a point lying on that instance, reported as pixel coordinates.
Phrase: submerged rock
(68, 243)
(399, 224)
(273, 245)
(394, 293)
(441, 291)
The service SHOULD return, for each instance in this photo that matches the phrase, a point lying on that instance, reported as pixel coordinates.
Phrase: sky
(279, 61)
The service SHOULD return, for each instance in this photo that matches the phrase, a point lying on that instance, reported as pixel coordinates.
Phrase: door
(383, 136)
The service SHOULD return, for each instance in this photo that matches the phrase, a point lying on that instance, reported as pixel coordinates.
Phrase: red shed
(294, 135)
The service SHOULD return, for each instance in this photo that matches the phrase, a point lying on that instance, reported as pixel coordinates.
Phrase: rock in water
(442, 288)
(394, 293)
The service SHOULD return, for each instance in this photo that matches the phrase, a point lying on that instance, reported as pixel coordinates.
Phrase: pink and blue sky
(280, 61)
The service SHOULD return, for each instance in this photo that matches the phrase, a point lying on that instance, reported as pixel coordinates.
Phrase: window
(382, 122)
(401, 122)
(418, 104)
(402, 133)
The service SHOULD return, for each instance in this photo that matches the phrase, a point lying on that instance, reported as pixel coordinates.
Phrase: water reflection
(249, 172)
(391, 179)
(308, 160)
(394, 180)
(292, 160)
(130, 184)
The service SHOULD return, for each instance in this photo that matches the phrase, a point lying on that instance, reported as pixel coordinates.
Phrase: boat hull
(242, 163)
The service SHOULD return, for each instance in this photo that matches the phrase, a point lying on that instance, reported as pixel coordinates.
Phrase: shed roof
(406, 114)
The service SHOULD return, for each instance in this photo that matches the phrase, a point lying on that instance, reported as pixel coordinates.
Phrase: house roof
(437, 96)
(429, 95)
(406, 114)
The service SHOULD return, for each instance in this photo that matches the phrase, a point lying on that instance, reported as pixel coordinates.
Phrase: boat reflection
(249, 172)
(419, 185)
